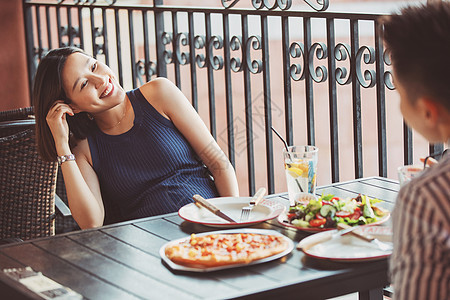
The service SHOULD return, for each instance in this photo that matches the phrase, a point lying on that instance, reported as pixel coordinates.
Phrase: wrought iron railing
(267, 58)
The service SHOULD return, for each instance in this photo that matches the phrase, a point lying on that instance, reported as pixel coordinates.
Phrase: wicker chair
(17, 114)
(64, 220)
(27, 188)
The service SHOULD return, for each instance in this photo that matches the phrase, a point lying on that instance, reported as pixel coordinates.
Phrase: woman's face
(90, 85)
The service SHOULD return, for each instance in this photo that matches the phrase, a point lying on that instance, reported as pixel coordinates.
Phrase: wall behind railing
(318, 77)
(14, 91)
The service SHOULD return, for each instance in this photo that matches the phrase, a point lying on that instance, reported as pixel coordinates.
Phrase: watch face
(64, 158)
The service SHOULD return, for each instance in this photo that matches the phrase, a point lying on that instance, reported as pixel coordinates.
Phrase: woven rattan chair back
(17, 114)
(13, 115)
(63, 223)
(27, 188)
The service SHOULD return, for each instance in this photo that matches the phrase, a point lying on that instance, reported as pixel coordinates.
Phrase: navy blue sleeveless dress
(150, 169)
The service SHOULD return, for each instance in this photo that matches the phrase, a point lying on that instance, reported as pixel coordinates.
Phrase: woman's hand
(57, 122)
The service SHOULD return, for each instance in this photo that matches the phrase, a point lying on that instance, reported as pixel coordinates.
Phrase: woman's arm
(171, 103)
(82, 186)
(83, 194)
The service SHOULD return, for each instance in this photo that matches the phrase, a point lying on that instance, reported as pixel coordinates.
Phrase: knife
(368, 238)
(203, 202)
(323, 237)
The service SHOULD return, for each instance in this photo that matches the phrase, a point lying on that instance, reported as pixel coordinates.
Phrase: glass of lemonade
(300, 164)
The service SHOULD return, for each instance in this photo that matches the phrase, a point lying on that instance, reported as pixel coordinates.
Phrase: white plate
(267, 209)
(347, 248)
(178, 267)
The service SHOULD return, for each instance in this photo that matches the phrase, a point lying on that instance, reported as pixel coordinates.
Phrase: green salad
(328, 211)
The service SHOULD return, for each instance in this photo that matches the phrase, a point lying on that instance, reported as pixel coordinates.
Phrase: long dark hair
(48, 88)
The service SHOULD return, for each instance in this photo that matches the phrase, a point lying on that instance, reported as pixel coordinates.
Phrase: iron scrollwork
(182, 57)
(74, 32)
(215, 61)
(199, 43)
(235, 62)
(297, 50)
(145, 69)
(367, 80)
(318, 5)
(89, 2)
(282, 4)
(166, 39)
(320, 73)
(236, 44)
(341, 53)
(227, 4)
(388, 74)
(254, 66)
(98, 48)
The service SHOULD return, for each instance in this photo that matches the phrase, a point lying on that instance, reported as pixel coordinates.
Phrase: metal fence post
(27, 15)
(159, 30)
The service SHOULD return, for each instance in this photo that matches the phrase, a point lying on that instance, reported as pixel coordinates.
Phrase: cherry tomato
(317, 222)
(290, 215)
(356, 214)
(342, 214)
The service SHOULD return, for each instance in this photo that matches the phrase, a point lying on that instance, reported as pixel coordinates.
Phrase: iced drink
(300, 164)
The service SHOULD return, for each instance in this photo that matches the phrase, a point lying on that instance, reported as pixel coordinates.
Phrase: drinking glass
(300, 163)
(408, 172)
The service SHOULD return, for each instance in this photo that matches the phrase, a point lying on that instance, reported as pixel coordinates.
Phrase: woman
(124, 155)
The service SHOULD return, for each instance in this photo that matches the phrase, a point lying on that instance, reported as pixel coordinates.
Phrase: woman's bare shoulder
(162, 94)
(158, 89)
(157, 84)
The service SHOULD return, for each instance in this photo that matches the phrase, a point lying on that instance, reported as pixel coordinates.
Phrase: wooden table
(122, 261)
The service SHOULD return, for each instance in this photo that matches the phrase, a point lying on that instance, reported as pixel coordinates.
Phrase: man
(418, 40)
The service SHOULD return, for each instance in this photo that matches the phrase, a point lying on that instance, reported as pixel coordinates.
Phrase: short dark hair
(47, 89)
(418, 40)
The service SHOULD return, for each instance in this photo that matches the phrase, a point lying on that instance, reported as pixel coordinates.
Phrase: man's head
(418, 40)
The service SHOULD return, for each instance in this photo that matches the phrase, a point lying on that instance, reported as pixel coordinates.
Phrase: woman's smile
(108, 90)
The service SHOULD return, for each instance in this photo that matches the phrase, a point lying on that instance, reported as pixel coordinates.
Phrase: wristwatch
(64, 158)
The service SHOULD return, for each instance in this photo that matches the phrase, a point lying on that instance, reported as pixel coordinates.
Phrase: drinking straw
(288, 152)
(281, 138)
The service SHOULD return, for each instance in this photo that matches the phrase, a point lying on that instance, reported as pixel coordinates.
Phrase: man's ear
(430, 111)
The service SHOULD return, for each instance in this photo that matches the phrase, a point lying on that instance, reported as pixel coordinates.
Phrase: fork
(370, 239)
(245, 212)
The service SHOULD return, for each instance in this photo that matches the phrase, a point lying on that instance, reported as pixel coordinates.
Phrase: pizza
(221, 249)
